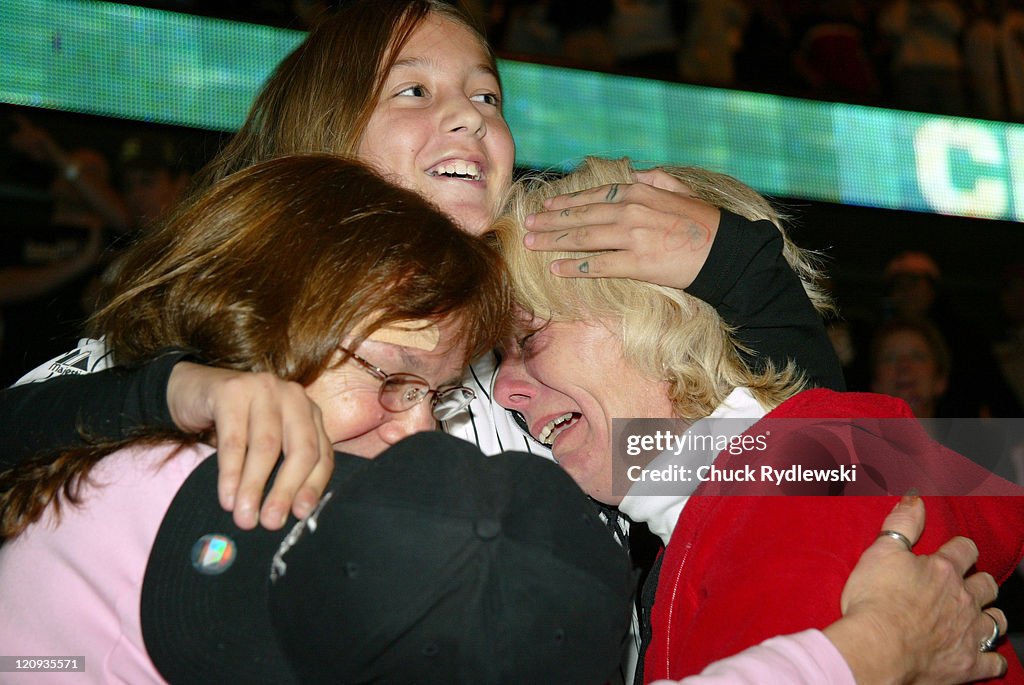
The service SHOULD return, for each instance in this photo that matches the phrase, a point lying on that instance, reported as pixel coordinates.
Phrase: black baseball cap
(430, 564)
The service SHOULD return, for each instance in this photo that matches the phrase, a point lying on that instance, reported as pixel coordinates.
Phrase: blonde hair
(666, 333)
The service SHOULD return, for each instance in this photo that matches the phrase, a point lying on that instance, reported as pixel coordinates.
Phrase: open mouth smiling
(556, 426)
(460, 169)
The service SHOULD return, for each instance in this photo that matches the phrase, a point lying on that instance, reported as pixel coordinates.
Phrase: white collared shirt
(661, 511)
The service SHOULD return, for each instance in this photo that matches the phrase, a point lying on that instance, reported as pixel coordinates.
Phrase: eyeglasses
(402, 391)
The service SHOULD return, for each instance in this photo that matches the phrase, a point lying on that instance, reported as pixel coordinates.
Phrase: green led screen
(124, 61)
(133, 62)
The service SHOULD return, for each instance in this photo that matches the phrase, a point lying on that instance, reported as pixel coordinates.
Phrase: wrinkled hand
(653, 230)
(256, 416)
(916, 614)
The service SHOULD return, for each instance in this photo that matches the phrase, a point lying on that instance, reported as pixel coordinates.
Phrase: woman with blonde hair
(735, 570)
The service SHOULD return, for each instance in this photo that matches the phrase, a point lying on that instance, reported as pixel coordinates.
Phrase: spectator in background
(911, 281)
(927, 65)
(849, 330)
(976, 387)
(311, 12)
(35, 260)
(910, 360)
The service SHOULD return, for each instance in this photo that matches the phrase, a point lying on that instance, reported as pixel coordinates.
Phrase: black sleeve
(110, 404)
(751, 285)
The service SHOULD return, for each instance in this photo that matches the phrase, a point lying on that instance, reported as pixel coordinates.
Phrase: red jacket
(741, 569)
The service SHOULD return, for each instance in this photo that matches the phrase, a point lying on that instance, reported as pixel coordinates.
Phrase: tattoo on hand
(584, 267)
(698, 235)
(564, 212)
(612, 192)
(561, 236)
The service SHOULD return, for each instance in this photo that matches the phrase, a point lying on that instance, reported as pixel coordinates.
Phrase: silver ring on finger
(896, 535)
(989, 643)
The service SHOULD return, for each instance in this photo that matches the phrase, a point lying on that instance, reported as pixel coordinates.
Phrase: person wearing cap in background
(976, 388)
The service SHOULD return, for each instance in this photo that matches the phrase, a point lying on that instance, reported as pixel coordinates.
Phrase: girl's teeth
(460, 168)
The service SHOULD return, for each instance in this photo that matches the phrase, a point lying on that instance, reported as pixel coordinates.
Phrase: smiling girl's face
(438, 127)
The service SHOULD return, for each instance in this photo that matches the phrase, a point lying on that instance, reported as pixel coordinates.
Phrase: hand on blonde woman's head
(256, 417)
(915, 618)
(653, 230)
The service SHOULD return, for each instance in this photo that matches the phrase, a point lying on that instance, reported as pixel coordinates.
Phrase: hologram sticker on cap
(213, 554)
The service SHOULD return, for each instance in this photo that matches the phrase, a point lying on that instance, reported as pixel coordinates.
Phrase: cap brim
(203, 628)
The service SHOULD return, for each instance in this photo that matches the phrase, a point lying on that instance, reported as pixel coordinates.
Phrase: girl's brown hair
(320, 98)
(271, 270)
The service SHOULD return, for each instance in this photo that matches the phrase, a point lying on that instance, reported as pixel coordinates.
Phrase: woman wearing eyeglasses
(302, 269)
(323, 286)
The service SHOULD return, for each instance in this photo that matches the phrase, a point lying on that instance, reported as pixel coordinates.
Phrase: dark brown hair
(271, 270)
(320, 98)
